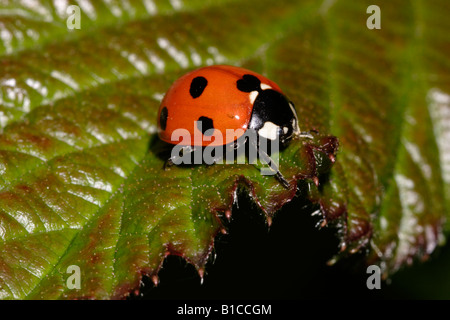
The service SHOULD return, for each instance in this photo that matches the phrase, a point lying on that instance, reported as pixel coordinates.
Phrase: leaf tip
(201, 273)
(269, 221)
(228, 214)
(316, 180)
(155, 280)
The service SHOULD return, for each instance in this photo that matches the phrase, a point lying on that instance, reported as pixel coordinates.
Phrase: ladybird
(222, 97)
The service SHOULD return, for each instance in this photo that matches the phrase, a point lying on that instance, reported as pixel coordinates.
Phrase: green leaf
(83, 182)
(82, 179)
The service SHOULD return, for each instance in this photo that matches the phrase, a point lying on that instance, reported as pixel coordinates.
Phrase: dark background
(288, 261)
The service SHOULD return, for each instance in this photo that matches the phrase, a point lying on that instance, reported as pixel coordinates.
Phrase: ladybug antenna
(249, 83)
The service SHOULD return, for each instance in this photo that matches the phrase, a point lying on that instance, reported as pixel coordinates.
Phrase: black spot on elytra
(198, 85)
(204, 124)
(163, 118)
(248, 83)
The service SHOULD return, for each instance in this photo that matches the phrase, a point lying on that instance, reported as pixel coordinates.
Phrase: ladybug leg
(171, 161)
(168, 163)
(266, 158)
(283, 181)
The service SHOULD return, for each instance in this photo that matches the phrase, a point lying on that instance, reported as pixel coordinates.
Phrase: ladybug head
(274, 116)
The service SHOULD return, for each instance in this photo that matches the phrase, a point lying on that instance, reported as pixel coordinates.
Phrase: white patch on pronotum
(285, 130)
(269, 130)
(295, 120)
(265, 86)
(253, 96)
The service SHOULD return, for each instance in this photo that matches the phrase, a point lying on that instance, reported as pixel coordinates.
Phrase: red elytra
(221, 97)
